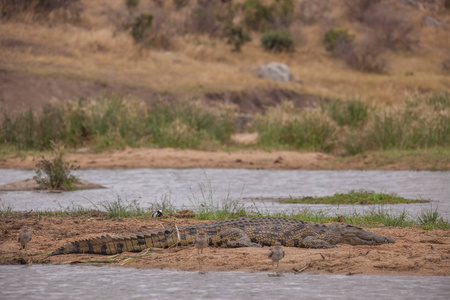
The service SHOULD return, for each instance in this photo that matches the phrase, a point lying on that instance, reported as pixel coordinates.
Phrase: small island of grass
(355, 197)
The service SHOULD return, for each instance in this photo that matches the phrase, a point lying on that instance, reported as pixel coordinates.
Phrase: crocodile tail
(101, 245)
(108, 245)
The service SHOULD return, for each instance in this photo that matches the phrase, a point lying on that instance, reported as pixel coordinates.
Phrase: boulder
(276, 71)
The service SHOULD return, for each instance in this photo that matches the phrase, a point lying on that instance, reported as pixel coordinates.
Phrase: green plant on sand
(55, 172)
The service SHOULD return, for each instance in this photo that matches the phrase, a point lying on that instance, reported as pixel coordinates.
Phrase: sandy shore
(249, 159)
(416, 252)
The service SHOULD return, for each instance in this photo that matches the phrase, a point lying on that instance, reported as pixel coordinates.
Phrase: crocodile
(242, 232)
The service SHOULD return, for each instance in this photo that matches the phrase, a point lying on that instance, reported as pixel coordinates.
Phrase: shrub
(257, 15)
(337, 36)
(67, 10)
(204, 17)
(131, 3)
(277, 40)
(283, 13)
(236, 36)
(391, 28)
(358, 8)
(141, 26)
(180, 3)
(367, 56)
(57, 171)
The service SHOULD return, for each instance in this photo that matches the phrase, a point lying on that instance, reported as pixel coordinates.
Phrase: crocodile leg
(316, 242)
(234, 238)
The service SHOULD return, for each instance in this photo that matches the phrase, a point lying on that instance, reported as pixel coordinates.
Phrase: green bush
(55, 173)
(277, 40)
(141, 26)
(236, 36)
(336, 36)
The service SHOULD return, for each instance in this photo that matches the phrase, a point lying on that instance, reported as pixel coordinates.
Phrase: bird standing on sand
(276, 253)
(200, 241)
(24, 237)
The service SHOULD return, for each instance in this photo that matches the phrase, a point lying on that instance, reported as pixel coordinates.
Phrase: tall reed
(353, 127)
(115, 122)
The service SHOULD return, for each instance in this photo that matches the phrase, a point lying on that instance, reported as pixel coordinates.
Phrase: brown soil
(22, 91)
(416, 252)
(249, 159)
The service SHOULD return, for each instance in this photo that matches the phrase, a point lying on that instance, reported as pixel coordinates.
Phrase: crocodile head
(354, 235)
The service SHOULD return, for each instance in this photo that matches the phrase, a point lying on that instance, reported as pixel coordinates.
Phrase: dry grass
(99, 51)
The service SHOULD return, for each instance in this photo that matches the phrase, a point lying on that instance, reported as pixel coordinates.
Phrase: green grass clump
(354, 197)
(347, 113)
(5, 209)
(353, 127)
(281, 128)
(430, 219)
(113, 123)
(127, 209)
(379, 216)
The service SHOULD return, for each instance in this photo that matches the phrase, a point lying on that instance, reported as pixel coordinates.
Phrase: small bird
(276, 253)
(157, 213)
(200, 241)
(24, 237)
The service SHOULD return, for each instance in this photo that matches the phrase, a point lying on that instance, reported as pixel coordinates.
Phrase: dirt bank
(249, 159)
(416, 252)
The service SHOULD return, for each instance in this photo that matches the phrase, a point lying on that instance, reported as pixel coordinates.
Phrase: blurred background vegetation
(375, 74)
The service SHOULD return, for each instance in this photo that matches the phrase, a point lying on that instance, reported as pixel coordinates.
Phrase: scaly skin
(244, 232)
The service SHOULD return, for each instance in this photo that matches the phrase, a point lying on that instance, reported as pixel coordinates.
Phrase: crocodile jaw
(354, 235)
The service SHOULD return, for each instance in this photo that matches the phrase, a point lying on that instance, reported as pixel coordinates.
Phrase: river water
(89, 282)
(189, 188)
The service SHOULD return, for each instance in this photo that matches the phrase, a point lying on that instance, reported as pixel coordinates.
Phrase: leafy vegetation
(141, 26)
(278, 41)
(336, 37)
(55, 173)
(355, 197)
(236, 36)
(352, 127)
(115, 123)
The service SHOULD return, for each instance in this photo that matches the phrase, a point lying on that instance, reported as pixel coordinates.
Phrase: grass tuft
(5, 209)
(355, 197)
